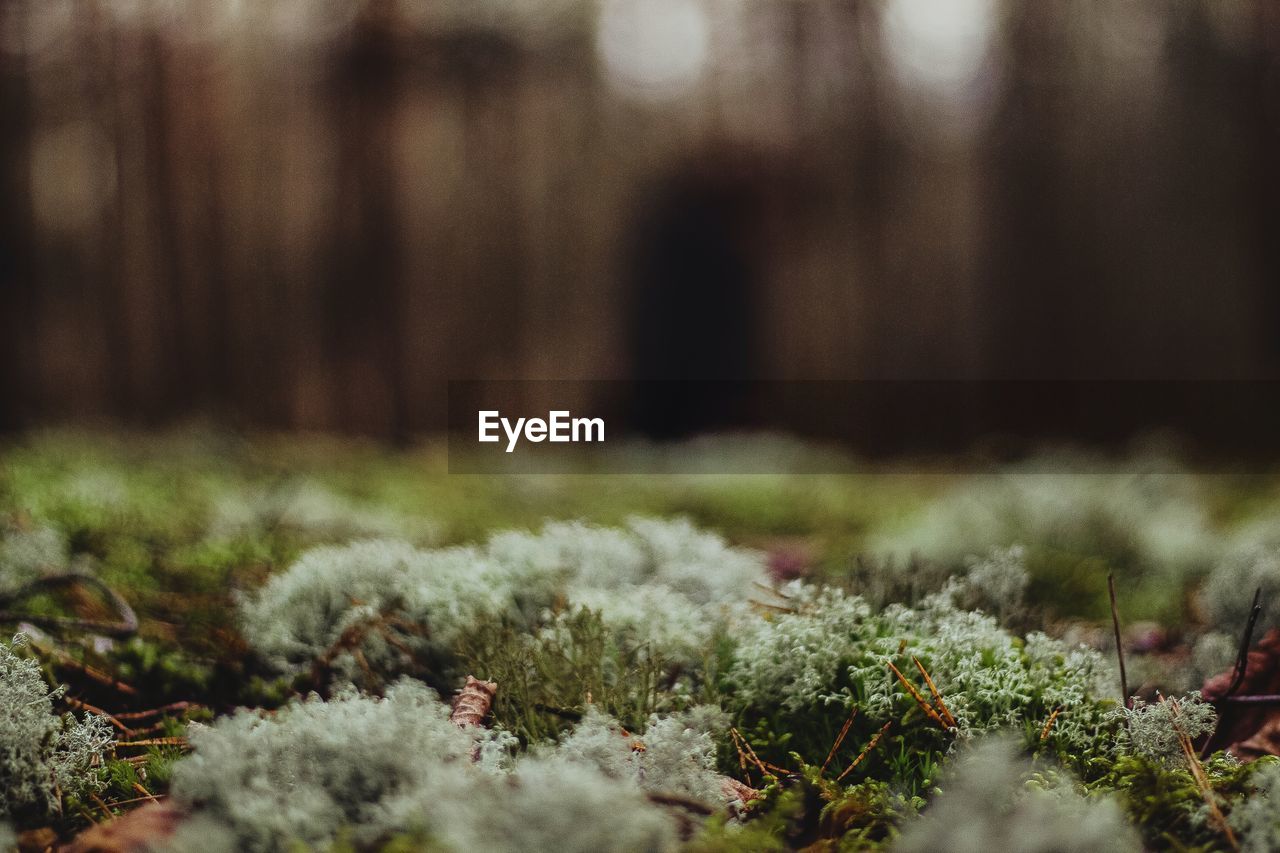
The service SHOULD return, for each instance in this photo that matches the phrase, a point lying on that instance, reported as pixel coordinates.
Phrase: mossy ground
(181, 523)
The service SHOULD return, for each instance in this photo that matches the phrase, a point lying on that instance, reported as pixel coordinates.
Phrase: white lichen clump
(990, 802)
(315, 768)
(365, 769)
(420, 598)
(311, 510)
(995, 583)
(1156, 729)
(833, 650)
(1152, 509)
(674, 755)
(42, 754)
(660, 582)
(664, 581)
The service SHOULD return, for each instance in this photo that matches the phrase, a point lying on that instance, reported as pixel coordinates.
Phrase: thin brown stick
(844, 730)
(742, 755)
(114, 719)
(1242, 656)
(937, 695)
(1115, 624)
(915, 694)
(395, 642)
(353, 637)
(145, 730)
(875, 741)
(771, 590)
(364, 664)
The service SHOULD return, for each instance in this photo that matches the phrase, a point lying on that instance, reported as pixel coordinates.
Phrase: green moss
(808, 811)
(1165, 804)
(797, 677)
(547, 679)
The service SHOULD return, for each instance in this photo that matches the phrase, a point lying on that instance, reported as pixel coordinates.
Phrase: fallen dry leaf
(1248, 730)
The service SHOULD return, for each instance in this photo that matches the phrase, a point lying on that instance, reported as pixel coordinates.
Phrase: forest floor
(884, 623)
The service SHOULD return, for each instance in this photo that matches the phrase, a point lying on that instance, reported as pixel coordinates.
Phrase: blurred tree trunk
(363, 304)
(1264, 116)
(17, 289)
(1029, 268)
(173, 368)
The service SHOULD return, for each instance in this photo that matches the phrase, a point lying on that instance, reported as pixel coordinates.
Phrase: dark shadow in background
(696, 283)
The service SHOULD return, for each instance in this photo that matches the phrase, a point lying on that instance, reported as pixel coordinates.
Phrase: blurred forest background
(312, 213)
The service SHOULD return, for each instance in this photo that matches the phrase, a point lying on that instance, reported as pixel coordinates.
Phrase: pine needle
(937, 696)
(915, 694)
(84, 669)
(765, 767)
(875, 741)
(106, 810)
(155, 741)
(155, 712)
(144, 792)
(844, 730)
(93, 709)
(1197, 773)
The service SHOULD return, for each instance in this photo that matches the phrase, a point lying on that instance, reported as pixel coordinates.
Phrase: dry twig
(1115, 624)
(1242, 656)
